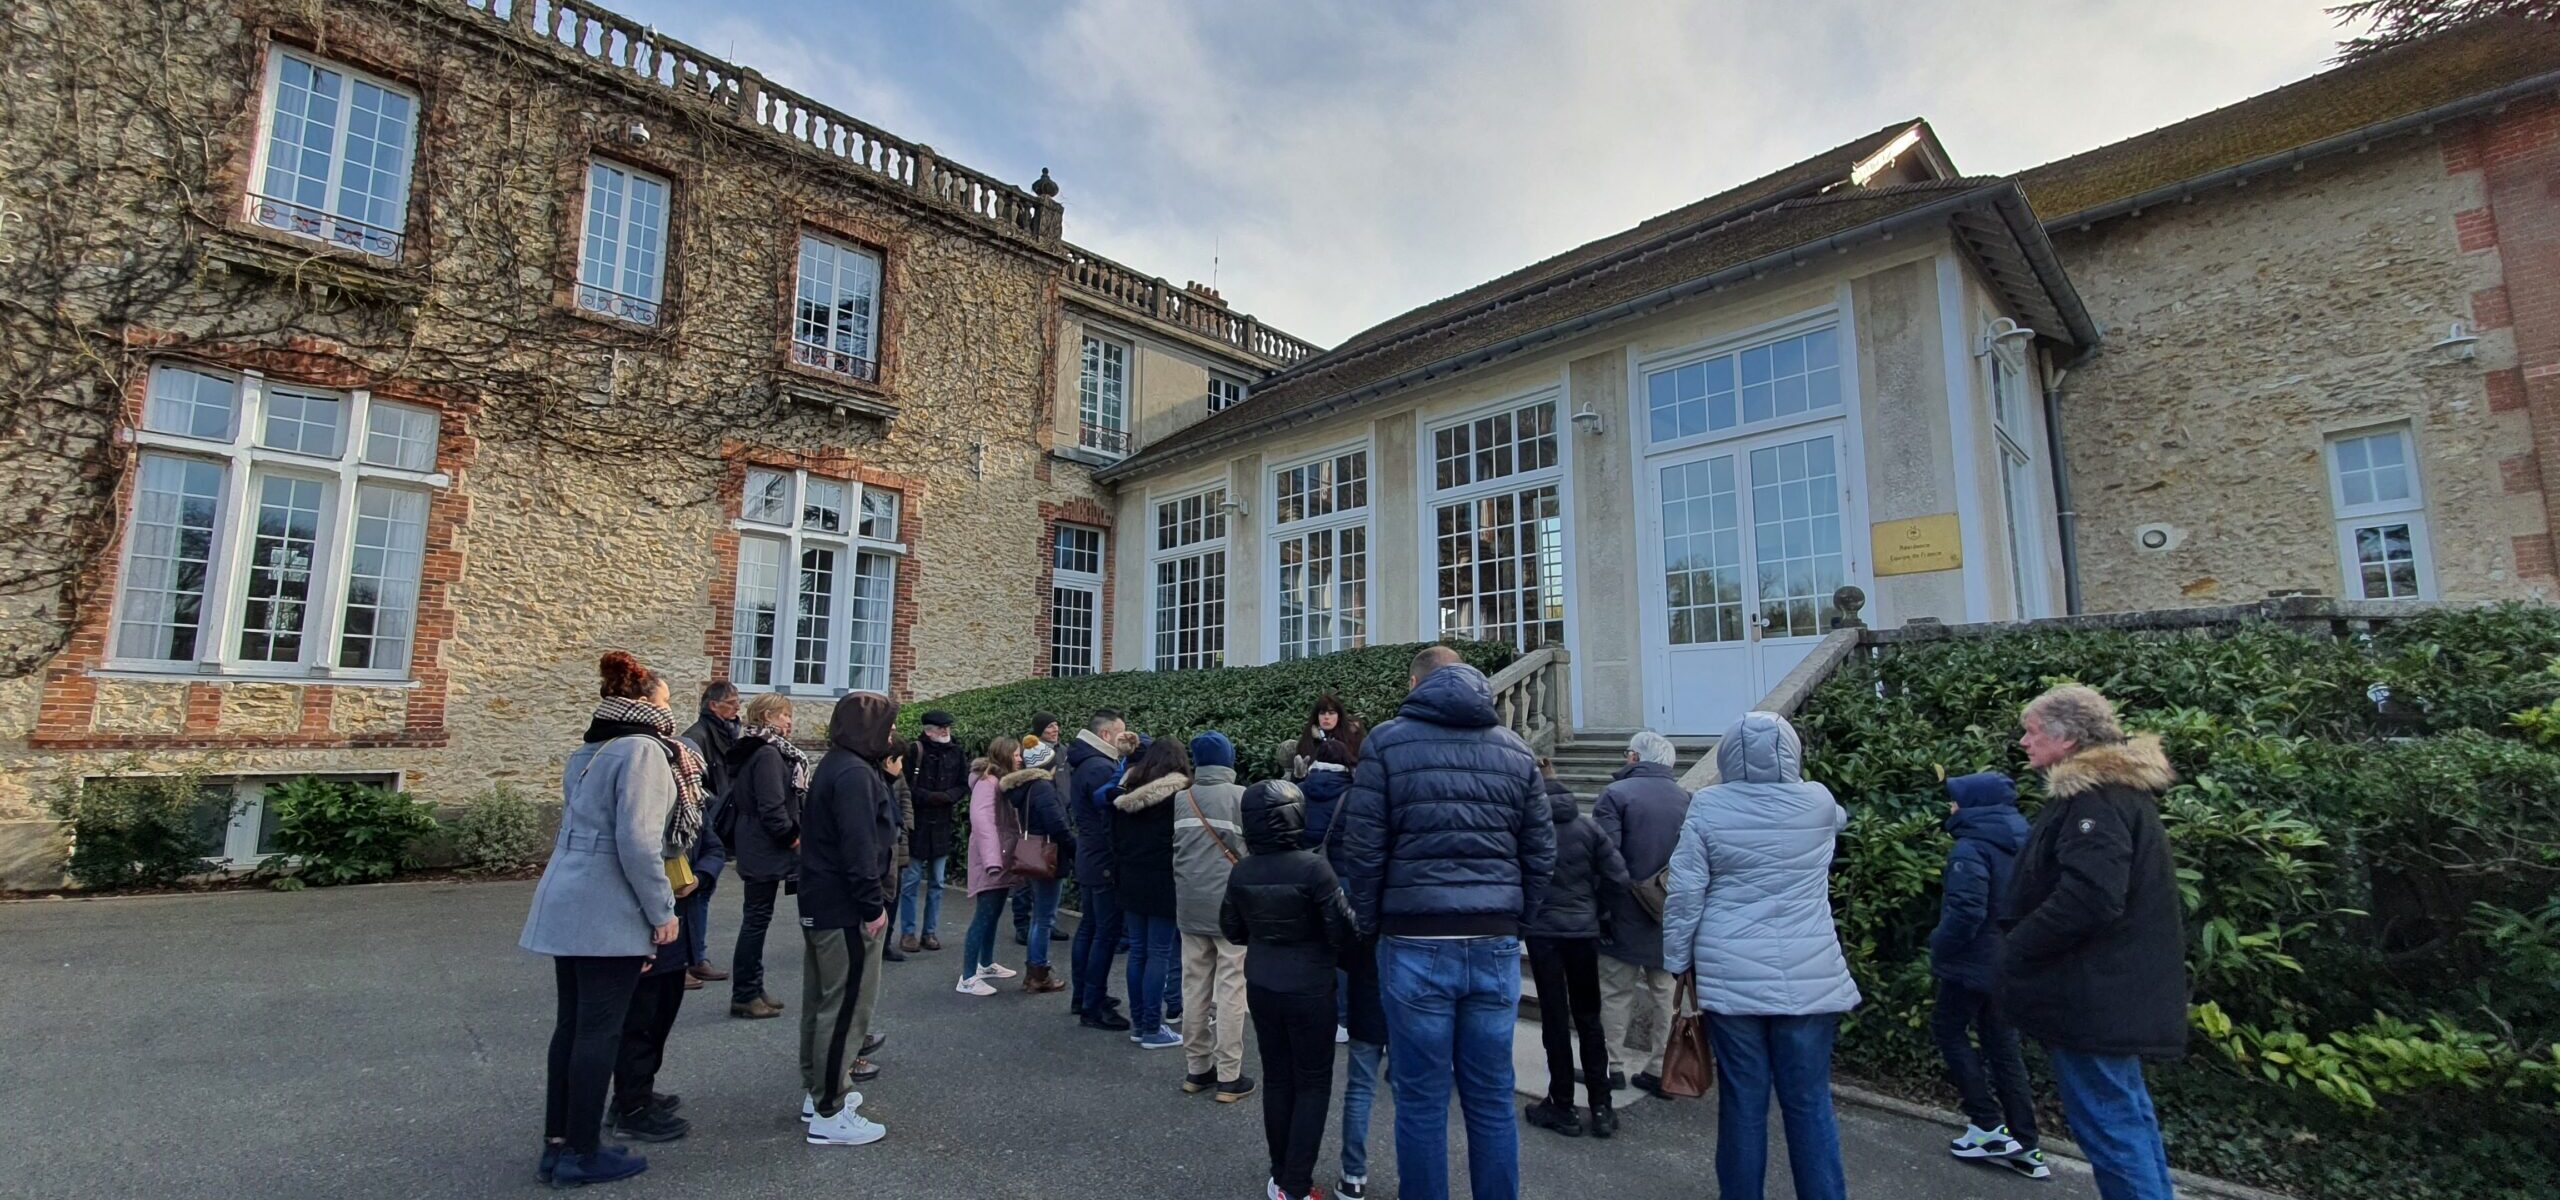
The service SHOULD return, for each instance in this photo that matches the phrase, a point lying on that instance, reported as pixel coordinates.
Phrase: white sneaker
(1978, 1142)
(846, 1128)
(809, 1105)
(1271, 1190)
(1341, 1034)
(973, 985)
(996, 971)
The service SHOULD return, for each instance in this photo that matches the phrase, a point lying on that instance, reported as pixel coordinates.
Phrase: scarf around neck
(616, 717)
(791, 752)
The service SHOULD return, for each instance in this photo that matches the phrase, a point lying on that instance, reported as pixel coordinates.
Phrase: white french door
(1747, 541)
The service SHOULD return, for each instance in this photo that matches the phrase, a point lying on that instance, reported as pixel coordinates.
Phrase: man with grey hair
(1640, 813)
(2094, 964)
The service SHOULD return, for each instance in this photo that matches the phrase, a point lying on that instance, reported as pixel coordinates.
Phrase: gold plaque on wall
(1916, 544)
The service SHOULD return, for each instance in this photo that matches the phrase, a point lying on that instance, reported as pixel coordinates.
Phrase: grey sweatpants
(830, 995)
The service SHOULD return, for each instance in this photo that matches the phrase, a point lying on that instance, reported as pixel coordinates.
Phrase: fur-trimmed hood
(2136, 762)
(1015, 779)
(1151, 793)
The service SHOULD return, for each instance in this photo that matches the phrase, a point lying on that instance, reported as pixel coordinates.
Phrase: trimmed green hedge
(2373, 935)
(1256, 707)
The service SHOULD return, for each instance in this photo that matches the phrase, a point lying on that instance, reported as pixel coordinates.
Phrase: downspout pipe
(2066, 519)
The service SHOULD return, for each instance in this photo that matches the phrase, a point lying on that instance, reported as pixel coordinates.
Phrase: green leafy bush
(141, 830)
(2372, 940)
(499, 830)
(335, 832)
(1257, 707)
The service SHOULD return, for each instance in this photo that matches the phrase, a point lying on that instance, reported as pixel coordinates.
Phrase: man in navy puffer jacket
(1964, 955)
(1446, 843)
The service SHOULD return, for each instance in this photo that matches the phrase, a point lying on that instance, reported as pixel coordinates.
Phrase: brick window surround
(350, 45)
(833, 463)
(860, 234)
(66, 715)
(1073, 512)
(2515, 153)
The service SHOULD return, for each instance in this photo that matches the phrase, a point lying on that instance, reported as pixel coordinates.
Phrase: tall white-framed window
(817, 584)
(1102, 396)
(1320, 553)
(1786, 377)
(1225, 392)
(2013, 385)
(2381, 515)
(1075, 601)
(1498, 526)
(276, 529)
(835, 324)
(334, 153)
(622, 259)
(1188, 565)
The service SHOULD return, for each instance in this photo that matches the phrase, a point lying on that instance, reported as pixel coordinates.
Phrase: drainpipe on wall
(2066, 520)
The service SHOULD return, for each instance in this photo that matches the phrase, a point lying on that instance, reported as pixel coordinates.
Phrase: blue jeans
(1359, 1094)
(1151, 955)
(1044, 917)
(1097, 940)
(1791, 1055)
(1451, 1004)
(922, 875)
(2111, 1116)
(980, 948)
(694, 912)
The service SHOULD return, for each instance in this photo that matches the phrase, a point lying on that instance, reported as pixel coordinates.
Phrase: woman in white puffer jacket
(1748, 907)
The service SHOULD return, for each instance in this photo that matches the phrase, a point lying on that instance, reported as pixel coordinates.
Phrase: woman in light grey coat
(603, 906)
(1749, 908)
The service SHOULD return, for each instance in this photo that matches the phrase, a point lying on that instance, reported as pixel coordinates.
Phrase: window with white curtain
(334, 153)
(275, 528)
(1189, 568)
(2381, 515)
(1320, 554)
(817, 584)
(1498, 527)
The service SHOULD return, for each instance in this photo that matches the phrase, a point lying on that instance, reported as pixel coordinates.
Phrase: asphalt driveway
(387, 1041)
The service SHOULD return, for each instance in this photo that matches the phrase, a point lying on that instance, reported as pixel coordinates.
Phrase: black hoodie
(1589, 874)
(1283, 904)
(849, 830)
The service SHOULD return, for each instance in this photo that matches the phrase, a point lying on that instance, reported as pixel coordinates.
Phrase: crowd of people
(1372, 904)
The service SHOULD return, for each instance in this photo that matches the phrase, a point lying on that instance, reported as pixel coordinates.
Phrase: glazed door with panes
(1748, 540)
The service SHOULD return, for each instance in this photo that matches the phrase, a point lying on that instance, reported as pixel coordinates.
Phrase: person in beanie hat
(1032, 793)
(1964, 955)
(1208, 838)
(1045, 731)
(937, 775)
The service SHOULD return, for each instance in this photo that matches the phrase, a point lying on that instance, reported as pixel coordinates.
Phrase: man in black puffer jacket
(1564, 957)
(1285, 908)
(2094, 965)
(1447, 842)
(937, 778)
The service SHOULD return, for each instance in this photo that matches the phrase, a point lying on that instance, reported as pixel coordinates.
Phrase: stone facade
(586, 484)
(2245, 328)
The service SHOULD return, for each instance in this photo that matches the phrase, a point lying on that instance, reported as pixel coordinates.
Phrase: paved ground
(388, 1041)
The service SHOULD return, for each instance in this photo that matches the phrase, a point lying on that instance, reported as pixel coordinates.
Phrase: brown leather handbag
(1030, 855)
(1688, 1066)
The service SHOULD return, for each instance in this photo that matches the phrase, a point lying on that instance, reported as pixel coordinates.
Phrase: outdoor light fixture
(2459, 343)
(1588, 419)
(637, 134)
(2002, 330)
(1231, 506)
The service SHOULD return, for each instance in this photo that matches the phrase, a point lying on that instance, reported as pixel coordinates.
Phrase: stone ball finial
(1848, 599)
(1045, 187)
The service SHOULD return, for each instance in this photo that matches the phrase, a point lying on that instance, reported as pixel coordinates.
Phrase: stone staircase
(1587, 763)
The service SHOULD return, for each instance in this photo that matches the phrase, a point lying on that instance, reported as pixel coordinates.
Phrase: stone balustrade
(1531, 697)
(626, 47)
(1128, 288)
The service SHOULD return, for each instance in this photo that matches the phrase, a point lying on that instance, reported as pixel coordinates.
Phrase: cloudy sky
(1335, 162)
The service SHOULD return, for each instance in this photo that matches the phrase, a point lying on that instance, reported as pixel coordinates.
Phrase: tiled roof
(2466, 62)
(1742, 240)
(1830, 166)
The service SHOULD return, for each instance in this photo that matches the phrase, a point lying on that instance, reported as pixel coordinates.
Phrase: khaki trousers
(1213, 1016)
(1635, 1013)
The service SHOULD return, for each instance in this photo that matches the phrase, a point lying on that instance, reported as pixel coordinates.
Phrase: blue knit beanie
(1212, 749)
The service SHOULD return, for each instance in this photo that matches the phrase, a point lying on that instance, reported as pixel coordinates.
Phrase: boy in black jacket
(1286, 909)
(1964, 956)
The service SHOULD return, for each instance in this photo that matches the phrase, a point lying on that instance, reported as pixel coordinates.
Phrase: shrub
(499, 830)
(2366, 875)
(1257, 707)
(335, 832)
(141, 830)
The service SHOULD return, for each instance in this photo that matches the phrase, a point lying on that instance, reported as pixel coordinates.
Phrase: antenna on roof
(1216, 242)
